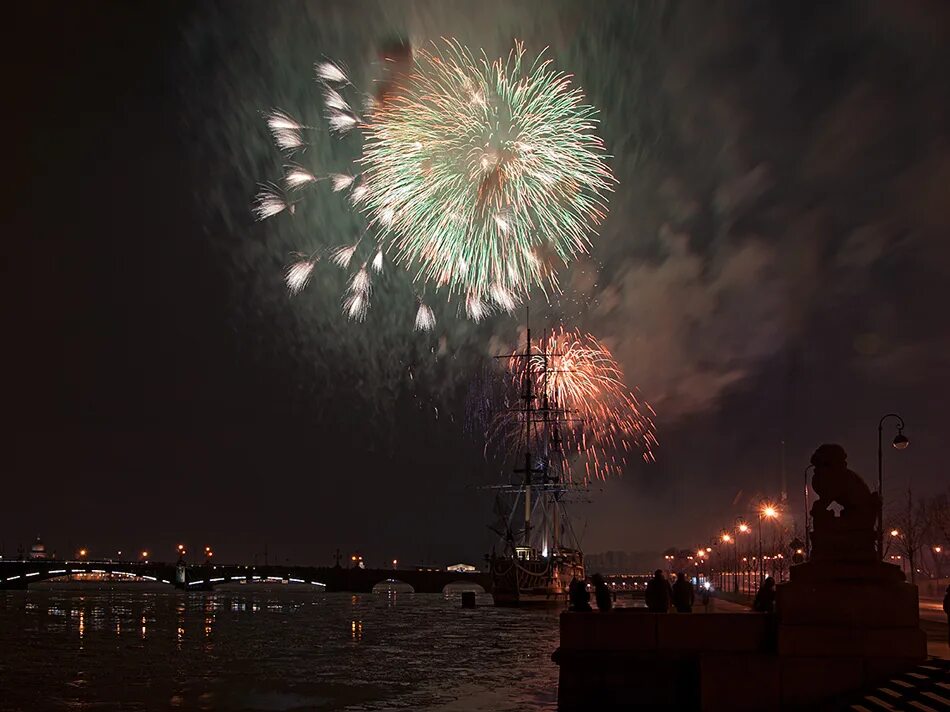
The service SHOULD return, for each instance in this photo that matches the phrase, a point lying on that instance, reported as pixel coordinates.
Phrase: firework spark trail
(479, 177)
(298, 274)
(297, 177)
(270, 201)
(425, 319)
(602, 420)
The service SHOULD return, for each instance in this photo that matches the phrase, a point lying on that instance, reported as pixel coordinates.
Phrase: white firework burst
(425, 319)
(342, 121)
(333, 100)
(288, 139)
(378, 262)
(361, 281)
(341, 256)
(341, 181)
(475, 308)
(285, 130)
(298, 275)
(330, 72)
(297, 177)
(355, 305)
(279, 121)
(270, 202)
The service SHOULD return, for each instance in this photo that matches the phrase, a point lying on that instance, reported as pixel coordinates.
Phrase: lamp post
(741, 528)
(769, 511)
(900, 442)
(726, 538)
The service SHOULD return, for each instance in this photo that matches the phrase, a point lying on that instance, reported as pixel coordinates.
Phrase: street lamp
(83, 553)
(766, 511)
(900, 442)
(724, 538)
(741, 528)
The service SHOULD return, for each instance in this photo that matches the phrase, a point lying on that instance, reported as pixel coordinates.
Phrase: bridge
(204, 577)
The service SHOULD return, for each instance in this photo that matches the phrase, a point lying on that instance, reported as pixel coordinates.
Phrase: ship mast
(528, 395)
(541, 420)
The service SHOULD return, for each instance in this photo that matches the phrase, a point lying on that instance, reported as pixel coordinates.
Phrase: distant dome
(38, 550)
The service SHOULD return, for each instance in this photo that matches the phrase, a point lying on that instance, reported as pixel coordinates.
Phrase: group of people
(680, 595)
(580, 597)
(661, 595)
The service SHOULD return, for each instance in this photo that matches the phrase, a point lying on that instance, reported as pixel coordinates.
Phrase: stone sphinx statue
(846, 532)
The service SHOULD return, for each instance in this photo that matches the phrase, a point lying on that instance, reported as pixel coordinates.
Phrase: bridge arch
(457, 588)
(205, 582)
(49, 574)
(392, 585)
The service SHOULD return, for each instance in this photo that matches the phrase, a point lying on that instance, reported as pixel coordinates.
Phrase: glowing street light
(766, 511)
(145, 556)
(726, 538)
(900, 442)
(83, 553)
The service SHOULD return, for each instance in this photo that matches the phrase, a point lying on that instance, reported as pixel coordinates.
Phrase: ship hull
(542, 582)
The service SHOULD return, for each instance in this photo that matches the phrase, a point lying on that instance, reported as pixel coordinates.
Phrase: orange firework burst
(579, 388)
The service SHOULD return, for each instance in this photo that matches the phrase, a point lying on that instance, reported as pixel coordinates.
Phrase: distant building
(622, 562)
(461, 568)
(38, 550)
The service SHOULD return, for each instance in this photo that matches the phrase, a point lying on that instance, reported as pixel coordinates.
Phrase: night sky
(774, 267)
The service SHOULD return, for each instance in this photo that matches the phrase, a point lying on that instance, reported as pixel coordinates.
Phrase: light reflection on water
(273, 648)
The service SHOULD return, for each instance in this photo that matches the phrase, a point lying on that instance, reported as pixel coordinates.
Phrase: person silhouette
(658, 593)
(601, 593)
(683, 594)
(764, 601)
(579, 596)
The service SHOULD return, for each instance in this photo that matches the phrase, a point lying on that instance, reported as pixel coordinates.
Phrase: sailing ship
(540, 552)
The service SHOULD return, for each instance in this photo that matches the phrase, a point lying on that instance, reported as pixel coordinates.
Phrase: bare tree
(940, 518)
(909, 531)
(938, 532)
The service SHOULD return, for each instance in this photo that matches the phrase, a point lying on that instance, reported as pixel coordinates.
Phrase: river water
(136, 647)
